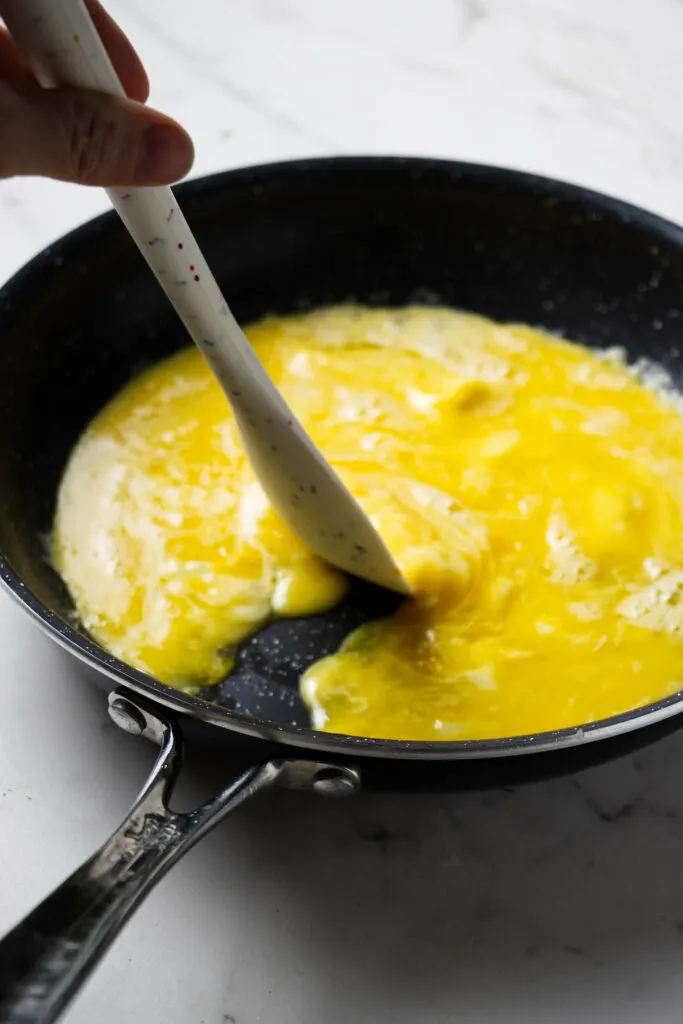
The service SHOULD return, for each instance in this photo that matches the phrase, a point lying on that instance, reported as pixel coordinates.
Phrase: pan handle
(46, 958)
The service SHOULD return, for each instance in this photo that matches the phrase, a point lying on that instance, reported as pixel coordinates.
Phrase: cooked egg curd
(530, 490)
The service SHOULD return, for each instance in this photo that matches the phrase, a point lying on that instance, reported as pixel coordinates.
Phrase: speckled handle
(59, 39)
(64, 48)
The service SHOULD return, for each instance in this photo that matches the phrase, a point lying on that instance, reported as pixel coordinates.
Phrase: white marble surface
(559, 902)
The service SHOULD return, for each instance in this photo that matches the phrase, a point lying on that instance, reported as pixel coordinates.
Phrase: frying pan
(286, 237)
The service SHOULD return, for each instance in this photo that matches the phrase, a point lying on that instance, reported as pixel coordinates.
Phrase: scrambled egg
(530, 490)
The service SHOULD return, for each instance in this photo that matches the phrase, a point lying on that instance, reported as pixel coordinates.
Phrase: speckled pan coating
(291, 236)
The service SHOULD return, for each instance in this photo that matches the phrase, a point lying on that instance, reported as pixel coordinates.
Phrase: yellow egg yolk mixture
(530, 490)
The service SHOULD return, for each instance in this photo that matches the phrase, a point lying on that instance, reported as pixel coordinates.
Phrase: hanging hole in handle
(334, 783)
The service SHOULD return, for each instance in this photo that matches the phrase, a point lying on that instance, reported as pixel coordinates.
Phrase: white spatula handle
(60, 40)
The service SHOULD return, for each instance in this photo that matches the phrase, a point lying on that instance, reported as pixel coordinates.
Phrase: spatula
(60, 42)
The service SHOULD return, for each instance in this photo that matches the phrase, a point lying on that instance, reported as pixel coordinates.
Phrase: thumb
(89, 138)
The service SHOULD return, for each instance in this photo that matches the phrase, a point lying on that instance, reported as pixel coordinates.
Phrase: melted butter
(531, 491)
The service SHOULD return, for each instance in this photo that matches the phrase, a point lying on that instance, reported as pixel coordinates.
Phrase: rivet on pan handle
(46, 958)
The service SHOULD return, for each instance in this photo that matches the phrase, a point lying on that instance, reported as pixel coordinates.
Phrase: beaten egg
(530, 490)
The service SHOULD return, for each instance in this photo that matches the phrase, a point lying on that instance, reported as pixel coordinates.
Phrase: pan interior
(379, 232)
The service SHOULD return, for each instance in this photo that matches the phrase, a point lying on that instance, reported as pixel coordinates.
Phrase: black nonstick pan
(280, 238)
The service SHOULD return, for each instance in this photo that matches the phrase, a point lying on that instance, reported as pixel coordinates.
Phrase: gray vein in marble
(410, 61)
(205, 70)
(607, 106)
(17, 213)
(275, 11)
(473, 12)
(564, 81)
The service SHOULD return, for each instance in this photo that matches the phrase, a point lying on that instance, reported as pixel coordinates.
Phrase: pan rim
(297, 736)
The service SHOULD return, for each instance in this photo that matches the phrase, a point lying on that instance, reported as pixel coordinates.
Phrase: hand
(83, 136)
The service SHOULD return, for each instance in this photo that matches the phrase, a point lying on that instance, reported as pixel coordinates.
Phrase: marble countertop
(554, 903)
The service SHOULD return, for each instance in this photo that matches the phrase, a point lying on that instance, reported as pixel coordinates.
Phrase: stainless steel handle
(46, 958)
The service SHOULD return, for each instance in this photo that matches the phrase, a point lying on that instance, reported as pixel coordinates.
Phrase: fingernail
(167, 155)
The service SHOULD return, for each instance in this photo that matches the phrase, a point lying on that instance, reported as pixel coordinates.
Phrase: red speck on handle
(180, 245)
(289, 423)
(191, 266)
(196, 277)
